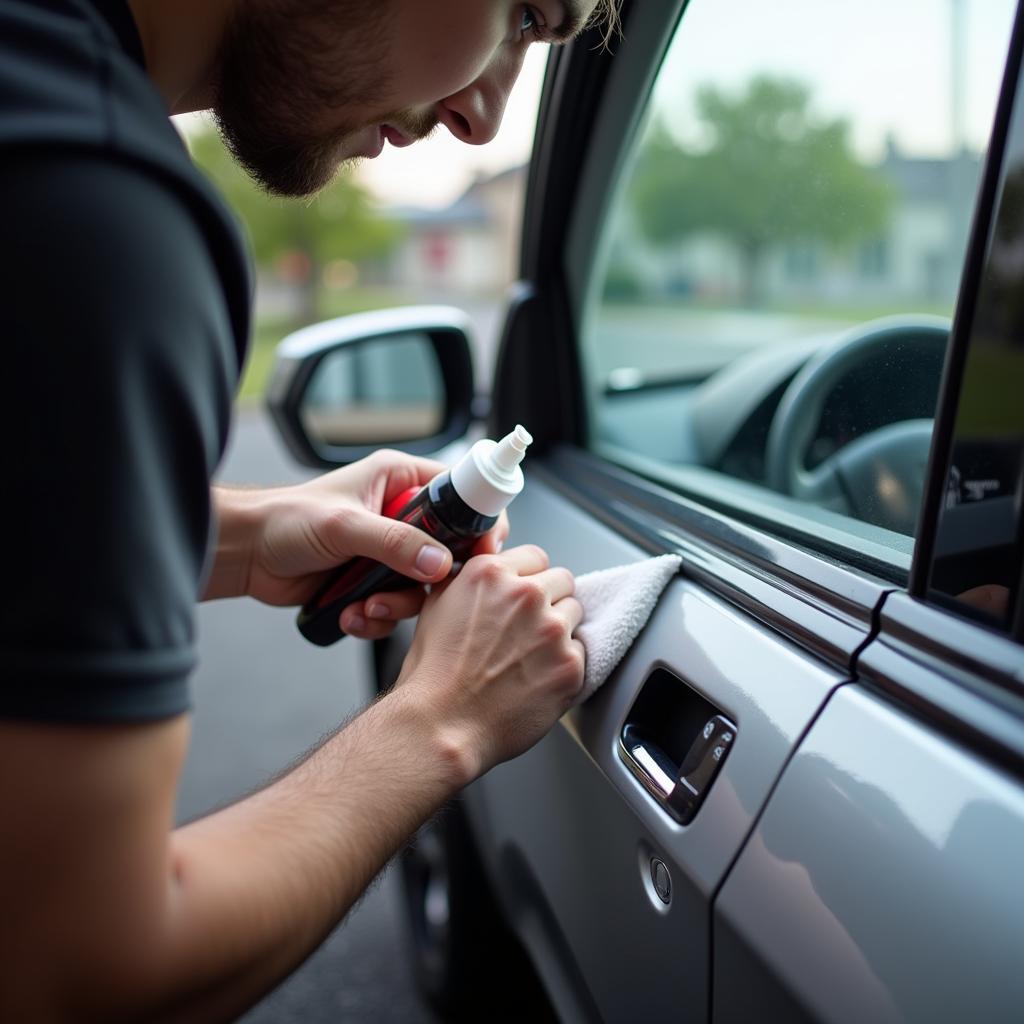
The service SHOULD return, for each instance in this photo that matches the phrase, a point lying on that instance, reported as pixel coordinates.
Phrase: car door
(883, 880)
(696, 385)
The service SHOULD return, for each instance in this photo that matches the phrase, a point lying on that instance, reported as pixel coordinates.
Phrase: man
(124, 317)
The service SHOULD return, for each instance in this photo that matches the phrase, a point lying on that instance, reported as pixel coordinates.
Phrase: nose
(473, 114)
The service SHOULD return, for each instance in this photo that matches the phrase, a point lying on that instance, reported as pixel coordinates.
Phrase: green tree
(339, 223)
(770, 172)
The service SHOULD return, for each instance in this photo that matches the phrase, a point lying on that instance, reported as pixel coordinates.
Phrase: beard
(288, 70)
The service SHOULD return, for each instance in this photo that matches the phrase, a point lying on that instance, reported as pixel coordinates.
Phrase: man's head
(303, 85)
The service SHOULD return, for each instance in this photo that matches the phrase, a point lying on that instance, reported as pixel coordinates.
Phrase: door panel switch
(700, 766)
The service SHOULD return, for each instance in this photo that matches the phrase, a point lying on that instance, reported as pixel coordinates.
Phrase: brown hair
(607, 14)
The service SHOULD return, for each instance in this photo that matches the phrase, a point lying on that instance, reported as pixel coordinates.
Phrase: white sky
(885, 64)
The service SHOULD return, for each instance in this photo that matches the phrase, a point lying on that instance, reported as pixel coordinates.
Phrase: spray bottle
(456, 508)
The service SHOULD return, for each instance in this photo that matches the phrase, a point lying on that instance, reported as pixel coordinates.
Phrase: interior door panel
(882, 883)
(568, 831)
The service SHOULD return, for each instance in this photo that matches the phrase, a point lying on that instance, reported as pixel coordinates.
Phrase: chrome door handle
(681, 788)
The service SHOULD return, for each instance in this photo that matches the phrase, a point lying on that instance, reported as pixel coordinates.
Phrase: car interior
(817, 397)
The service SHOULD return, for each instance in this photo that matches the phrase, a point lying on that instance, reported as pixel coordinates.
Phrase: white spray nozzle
(488, 476)
(511, 449)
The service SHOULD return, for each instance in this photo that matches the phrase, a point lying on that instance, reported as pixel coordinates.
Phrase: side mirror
(398, 378)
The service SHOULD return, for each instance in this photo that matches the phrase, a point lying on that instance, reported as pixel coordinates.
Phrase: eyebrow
(571, 25)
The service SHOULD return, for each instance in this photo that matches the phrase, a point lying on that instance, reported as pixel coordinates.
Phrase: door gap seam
(872, 634)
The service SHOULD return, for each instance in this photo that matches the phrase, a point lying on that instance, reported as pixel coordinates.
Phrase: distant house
(470, 246)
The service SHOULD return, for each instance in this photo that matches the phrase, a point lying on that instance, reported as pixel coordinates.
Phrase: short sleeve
(120, 366)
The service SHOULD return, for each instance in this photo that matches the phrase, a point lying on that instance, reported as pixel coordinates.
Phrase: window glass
(977, 558)
(770, 315)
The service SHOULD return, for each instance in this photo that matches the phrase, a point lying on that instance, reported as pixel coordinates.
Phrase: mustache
(412, 124)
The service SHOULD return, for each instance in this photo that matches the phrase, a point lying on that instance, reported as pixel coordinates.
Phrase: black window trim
(982, 227)
(961, 677)
(540, 328)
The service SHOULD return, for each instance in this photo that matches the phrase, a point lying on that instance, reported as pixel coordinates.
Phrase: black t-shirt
(124, 305)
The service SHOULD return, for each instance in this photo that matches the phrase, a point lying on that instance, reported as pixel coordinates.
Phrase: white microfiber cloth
(616, 605)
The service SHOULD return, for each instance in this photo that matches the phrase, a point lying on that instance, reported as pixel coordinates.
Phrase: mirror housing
(299, 356)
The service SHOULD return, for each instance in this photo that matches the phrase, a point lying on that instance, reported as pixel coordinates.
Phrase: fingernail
(378, 611)
(498, 547)
(356, 624)
(429, 560)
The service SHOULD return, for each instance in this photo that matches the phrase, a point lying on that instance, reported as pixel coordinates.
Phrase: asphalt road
(262, 697)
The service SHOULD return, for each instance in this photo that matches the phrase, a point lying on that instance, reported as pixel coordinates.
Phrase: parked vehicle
(754, 330)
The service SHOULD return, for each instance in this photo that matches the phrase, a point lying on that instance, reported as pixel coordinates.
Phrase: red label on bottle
(399, 501)
(358, 567)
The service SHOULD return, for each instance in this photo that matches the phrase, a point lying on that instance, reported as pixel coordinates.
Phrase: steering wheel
(878, 477)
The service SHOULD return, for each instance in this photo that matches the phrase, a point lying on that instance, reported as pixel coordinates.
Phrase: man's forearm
(258, 885)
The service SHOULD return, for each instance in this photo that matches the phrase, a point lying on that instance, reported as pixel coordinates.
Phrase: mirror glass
(380, 391)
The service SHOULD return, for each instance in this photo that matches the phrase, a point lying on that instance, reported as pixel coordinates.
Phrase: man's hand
(493, 663)
(280, 545)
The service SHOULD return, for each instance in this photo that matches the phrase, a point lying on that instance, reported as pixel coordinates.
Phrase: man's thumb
(399, 546)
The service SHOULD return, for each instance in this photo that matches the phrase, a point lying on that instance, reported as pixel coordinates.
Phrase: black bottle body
(435, 509)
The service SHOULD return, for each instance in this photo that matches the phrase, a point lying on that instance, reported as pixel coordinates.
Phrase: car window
(976, 562)
(769, 317)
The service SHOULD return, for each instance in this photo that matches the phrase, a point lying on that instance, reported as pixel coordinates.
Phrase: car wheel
(467, 962)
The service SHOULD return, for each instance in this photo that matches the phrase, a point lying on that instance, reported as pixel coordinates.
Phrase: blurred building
(470, 246)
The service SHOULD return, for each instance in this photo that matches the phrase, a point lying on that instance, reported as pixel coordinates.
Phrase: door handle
(661, 723)
(652, 766)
